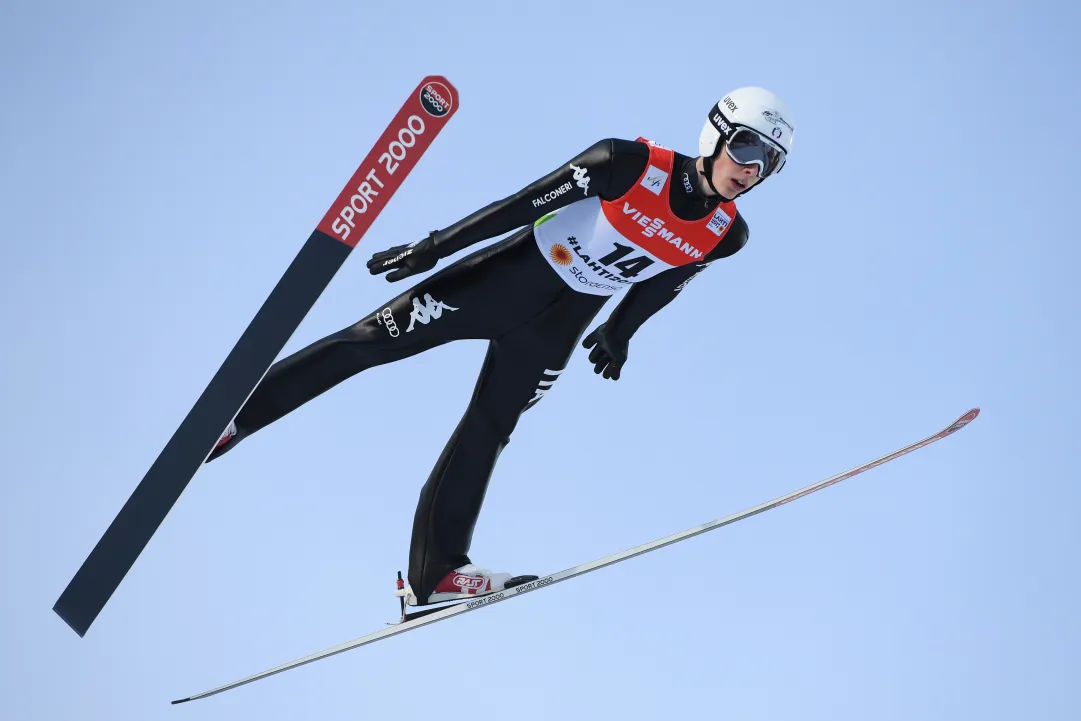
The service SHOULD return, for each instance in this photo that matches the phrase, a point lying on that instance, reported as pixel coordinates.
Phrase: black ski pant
(505, 293)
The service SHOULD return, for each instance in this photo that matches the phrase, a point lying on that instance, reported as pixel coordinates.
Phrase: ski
(424, 617)
(423, 115)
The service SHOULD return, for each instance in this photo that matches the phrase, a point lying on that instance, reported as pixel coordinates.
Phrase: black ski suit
(507, 294)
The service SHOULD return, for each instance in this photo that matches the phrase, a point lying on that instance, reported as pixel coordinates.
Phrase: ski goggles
(748, 147)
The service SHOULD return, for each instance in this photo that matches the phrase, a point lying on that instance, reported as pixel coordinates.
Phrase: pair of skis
(426, 111)
(410, 621)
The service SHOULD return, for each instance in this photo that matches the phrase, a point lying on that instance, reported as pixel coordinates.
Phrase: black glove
(405, 260)
(609, 353)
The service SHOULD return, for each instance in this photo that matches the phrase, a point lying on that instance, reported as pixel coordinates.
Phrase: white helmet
(753, 125)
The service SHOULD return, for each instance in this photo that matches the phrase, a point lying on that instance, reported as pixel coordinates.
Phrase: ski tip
(962, 421)
(438, 96)
(180, 700)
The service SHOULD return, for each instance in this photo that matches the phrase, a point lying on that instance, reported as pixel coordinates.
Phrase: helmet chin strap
(707, 165)
(707, 173)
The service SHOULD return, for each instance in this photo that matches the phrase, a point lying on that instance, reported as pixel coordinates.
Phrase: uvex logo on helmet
(721, 124)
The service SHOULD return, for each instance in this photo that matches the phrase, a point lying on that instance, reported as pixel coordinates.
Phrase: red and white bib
(601, 247)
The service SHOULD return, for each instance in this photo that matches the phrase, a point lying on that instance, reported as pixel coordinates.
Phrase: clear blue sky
(161, 166)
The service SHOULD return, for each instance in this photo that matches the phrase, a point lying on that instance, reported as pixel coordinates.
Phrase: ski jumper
(623, 218)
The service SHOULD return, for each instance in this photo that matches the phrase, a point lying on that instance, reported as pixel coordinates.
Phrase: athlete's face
(731, 178)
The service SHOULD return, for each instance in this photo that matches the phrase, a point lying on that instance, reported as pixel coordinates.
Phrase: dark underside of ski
(426, 111)
(115, 553)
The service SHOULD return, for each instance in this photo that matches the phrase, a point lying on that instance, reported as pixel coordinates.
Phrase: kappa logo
(654, 180)
(424, 313)
(581, 177)
(387, 317)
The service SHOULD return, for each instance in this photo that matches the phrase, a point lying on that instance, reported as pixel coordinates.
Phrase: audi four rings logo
(388, 321)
